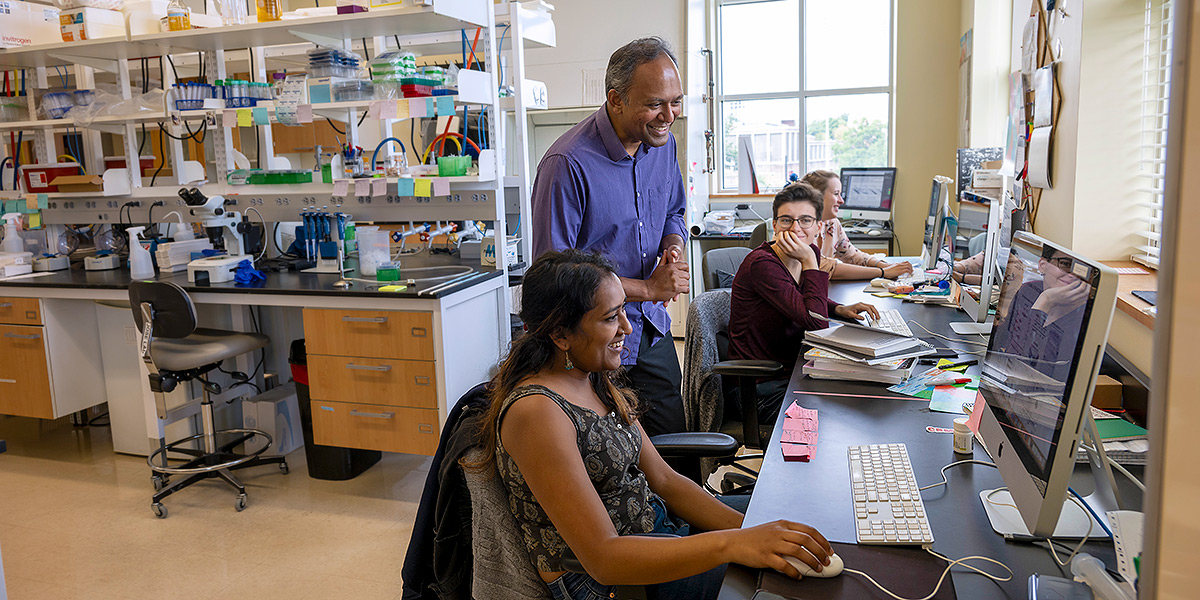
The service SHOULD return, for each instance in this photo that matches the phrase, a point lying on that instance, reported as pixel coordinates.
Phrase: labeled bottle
(179, 17)
(269, 10)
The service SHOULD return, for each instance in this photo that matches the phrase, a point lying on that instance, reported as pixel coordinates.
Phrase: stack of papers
(175, 256)
(799, 438)
(825, 364)
(866, 345)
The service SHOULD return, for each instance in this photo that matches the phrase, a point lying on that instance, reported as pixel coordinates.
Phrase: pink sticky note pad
(801, 452)
(378, 187)
(304, 113)
(790, 424)
(362, 187)
(793, 436)
(416, 107)
(793, 411)
(977, 413)
(441, 187)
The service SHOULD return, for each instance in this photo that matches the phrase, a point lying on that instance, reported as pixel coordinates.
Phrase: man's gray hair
(627, 58)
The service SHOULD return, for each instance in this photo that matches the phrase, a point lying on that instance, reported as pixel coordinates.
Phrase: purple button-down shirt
(591, 194)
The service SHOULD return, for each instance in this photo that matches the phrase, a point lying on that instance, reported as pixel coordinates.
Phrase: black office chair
(175, 351)
(762, 232)
(720, 265)
(719, 394)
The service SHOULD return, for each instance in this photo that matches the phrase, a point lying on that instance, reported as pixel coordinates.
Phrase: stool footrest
(239, 459)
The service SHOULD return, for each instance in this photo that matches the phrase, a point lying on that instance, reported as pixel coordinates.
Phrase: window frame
(801, 95)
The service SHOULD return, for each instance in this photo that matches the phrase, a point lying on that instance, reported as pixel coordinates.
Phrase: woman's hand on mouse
(764, 547)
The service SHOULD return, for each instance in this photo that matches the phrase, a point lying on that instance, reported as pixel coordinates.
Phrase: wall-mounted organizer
(243, 91)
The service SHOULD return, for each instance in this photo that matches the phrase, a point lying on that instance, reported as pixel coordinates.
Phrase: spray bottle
(140, 265)
(12, 238)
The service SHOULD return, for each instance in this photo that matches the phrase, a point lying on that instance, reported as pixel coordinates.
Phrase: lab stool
(175, 351)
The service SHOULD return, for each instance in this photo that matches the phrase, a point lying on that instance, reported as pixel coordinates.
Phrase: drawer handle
(6, 304)
(421, 380)
(424, 428)
(365, 319)
(384, 368)
(20, 336)
(386, 415)
(419, 332)
(8, 380)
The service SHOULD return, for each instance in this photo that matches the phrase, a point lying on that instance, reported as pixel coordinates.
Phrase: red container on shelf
(37, 178)
(412, 90)
(118, 162)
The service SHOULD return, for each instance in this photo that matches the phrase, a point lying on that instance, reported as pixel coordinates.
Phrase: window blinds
(1156, 84)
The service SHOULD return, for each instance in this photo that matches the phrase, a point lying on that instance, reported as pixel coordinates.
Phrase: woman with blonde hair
(839, 257)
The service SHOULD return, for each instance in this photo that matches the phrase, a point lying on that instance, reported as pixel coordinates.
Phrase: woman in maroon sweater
(775, 288)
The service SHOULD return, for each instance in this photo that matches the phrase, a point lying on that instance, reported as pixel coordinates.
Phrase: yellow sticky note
(393, 288)
(882, 294)
(943, 362)
(245, 117)
(900, 296)
(423, 187)
(401, 109)
(35, 220)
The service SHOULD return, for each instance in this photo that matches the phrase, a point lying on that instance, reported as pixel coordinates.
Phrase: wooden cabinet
(373, 379)
(49, 357)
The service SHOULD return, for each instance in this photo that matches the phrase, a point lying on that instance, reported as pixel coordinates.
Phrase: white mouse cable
(942, 578)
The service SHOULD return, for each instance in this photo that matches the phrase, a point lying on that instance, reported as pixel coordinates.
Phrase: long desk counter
(425, 350)
(851, 413)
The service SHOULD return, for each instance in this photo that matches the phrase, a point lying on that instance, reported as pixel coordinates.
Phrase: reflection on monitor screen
(1035, 347)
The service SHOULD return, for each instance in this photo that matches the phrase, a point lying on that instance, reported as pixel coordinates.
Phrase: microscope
(226, 230)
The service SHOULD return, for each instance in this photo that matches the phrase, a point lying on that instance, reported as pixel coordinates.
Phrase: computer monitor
(868, 193)
(978, 308)
(939, 207)
(1037, 379)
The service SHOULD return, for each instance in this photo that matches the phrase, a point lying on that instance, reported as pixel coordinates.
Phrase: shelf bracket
(318, 39)
(110, 66)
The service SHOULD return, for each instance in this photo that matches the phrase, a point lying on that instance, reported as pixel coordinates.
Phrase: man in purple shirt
(612, 184)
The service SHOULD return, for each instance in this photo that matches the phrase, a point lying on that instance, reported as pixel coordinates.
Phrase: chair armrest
(694, 443)
(748, 368)
(571, 563)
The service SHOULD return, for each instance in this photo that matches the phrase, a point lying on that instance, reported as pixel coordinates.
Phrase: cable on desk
(942, 579)
(1118, 467)
(1087, 513)
(262, 252)
(955, 464)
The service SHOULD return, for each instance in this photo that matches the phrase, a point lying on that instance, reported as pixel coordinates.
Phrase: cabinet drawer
(373, 381)
(370, 427)
(24, 374)
(20, 311)
(373, 333)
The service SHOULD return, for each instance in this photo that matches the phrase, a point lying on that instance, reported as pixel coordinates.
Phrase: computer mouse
(833, 569)
(874, 232)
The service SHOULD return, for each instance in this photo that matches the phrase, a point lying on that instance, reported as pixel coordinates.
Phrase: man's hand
(670, 278)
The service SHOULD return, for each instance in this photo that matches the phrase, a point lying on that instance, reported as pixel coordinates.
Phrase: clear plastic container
(373, 249)
(56, 104)
(352, 91)
(13, 109)
(269, 10)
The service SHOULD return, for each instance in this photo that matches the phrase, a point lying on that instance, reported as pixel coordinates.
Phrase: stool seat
(203, 347)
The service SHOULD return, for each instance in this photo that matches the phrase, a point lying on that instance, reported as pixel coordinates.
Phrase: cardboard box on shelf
(78, 183)
(28, 24)
(78, 24)
(1107, 394)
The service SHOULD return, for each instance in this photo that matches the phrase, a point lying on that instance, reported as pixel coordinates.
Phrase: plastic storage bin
(324, 462)
(374, 249)
(352, 91)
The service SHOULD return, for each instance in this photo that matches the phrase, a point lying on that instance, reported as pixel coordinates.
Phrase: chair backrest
(720, 265)
(762, 232)
(975, 246)
(706, 342)
(174, 314)
(501, 565)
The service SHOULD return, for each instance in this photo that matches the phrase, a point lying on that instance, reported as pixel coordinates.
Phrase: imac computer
(939, 207)
(1036, 384)
(977, 308)
(868, 193)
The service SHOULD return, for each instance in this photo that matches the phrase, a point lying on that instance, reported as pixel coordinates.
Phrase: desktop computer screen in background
(868, 190)
(1039, 370)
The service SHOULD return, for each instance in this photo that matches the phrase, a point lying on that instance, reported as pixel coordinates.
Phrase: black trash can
(324, 462)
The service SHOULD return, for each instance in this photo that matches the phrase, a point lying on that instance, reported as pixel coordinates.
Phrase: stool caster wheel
(240, 505)
(159, 481)
(159, 509)
(283, 467)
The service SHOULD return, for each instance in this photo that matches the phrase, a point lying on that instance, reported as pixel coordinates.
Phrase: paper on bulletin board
(1039, 158)
(1029, 46)
(1043, 96)
(1014, 142)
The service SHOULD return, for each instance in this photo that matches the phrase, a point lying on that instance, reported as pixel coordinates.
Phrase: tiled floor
(75, 522)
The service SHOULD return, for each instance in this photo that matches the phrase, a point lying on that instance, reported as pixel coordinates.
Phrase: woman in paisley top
(839, 257)
(563, 435)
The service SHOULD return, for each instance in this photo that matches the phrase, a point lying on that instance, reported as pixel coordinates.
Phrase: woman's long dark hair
(558, 290)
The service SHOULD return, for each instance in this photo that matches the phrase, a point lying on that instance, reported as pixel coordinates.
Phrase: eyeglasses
(1061, 262)
(786, 221)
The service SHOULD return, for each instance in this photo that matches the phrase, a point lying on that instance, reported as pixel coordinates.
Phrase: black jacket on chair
(438, 564)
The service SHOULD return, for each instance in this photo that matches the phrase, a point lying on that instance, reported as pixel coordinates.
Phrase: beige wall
(926, 98)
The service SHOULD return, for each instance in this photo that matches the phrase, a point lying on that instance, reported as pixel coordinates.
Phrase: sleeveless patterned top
(610, 451)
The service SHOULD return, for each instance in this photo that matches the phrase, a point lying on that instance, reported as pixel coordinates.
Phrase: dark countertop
(282, 283)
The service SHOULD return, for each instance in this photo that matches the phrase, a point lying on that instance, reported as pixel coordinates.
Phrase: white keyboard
(916, 278)
(891, 320)
(887, 504)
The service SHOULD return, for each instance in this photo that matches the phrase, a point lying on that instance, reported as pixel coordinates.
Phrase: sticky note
(245, 118)
(373, 109)
(798, 437)
(228, 118)
(35, 221)
(445, 106)
(393, 288)
(387, 109)
(945, 361)
(977, 413)
(10, 206)
(800, 452)
(340, 187)
(423, 187)
(405, 187)
(260, 115)
(790, 424)
(402, 109)
(441, 186)
(378, 187)
(430, 107)
(304, 113)
(41, 200)
(362, 187)
(416, 107)
(31, 202)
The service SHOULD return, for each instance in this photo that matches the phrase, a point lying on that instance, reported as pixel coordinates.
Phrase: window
(823, 64)
(1156, 84)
